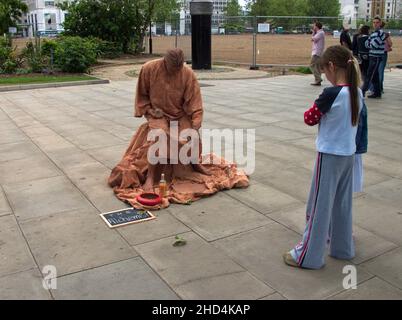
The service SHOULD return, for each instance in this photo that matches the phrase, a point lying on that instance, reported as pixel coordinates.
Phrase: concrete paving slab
(383, 165)
(387, 267)
(109, 156)
(250, 250)
(300, 177)
(279, 134)
(388, 191)
(287, 153)
(14, 252)
(70, 157)
(74, 241)
(37, 131)
(25, 285)
(44, 197)
(94, 139)
(52, 142)
(165, 225)
(373, 289)
(218, 216)
(27, 169)
(200, 271)
(12, 136)
(263, 198)
(19, 150)
(379, 217)
(4, 206)
(274, 296)
(91, 179)
(126, 280)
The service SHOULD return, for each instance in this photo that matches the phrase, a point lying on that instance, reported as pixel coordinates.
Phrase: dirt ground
(271, 49)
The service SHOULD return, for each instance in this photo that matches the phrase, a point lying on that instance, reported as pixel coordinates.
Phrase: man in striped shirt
(376, 45)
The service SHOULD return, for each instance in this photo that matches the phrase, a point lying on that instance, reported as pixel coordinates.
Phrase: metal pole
(150, 37)
(254, 63)
(150, 27)
(177, 26)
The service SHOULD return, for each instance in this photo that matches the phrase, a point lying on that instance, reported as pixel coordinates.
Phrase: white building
(218, 15)
(44, 17)
(368, 9)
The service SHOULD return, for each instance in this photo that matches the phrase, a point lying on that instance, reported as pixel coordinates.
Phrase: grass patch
(304, 70)
(32, 79)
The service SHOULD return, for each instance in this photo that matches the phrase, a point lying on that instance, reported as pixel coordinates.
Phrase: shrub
(8, 58)
(36, 62)
(75, 54)
(48, 46)
(106, 49)
(305, 70)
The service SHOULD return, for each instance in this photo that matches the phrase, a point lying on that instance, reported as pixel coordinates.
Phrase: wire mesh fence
(256, 40)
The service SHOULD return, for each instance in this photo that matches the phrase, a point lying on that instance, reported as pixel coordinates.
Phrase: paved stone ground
(57, 147)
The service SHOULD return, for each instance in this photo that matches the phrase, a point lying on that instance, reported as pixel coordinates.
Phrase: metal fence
(253, 41)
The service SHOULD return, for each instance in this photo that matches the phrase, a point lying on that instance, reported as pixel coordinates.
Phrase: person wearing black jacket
(345, 38)
(360, 51)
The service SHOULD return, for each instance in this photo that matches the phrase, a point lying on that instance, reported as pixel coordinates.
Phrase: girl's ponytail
(353, 75)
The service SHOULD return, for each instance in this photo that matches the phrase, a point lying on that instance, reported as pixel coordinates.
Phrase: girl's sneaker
(288, 259)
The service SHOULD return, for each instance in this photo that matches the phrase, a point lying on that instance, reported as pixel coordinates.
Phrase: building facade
(43, 17)
(368, 9)
(217, 19)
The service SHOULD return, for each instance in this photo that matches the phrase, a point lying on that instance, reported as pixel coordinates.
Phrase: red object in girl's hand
(149, 199)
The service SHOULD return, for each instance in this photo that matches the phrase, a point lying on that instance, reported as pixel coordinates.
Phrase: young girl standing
(329, 206)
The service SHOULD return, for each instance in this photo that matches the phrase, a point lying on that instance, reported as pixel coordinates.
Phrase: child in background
(329, 207)
(361, 147)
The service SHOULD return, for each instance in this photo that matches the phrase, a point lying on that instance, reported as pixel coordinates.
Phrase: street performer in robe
(168, 94)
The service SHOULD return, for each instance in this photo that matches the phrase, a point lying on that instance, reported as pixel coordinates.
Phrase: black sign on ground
(126, 216)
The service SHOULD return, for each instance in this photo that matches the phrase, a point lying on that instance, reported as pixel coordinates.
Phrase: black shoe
(374, 96)
(316, 83)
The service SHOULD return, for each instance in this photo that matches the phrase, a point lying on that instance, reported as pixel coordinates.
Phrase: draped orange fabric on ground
(162, 97)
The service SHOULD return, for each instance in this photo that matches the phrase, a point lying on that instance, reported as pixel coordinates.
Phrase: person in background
(361, 147)
(318, 40)
(354, 42)
(345, 38)
(362, 51)
(376, 45)
(383, 64)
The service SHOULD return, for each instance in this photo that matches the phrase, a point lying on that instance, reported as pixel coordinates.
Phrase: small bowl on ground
(149, 199)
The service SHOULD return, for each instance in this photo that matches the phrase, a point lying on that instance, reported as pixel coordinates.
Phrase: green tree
(323, 8)
(277, 7)
(120, 21)
(10, 13)
(232, 13)
(233, 8)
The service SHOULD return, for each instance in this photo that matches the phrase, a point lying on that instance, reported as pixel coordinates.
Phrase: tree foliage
(323, 8)
(233, 8)
(293, 7)
(119, 21)
(10, 13)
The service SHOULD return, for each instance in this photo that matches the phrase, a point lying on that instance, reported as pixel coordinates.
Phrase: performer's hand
(156, 113)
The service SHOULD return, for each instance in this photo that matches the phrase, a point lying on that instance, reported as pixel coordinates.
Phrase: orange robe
(178, 96)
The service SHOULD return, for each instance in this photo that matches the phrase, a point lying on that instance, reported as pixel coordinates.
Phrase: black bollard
(201, 12)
